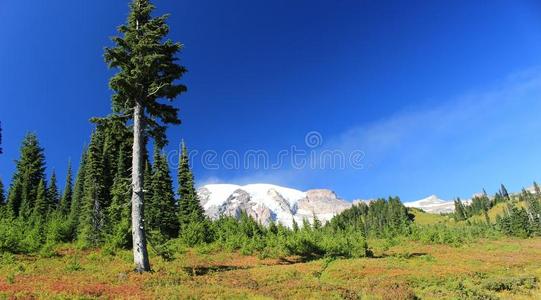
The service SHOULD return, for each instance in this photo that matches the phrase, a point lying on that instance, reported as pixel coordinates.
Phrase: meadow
(495, 268)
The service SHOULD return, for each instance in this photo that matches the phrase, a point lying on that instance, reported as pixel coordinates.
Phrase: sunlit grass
(504, 268)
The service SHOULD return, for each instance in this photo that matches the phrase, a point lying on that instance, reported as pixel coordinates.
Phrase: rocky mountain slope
(266, 203)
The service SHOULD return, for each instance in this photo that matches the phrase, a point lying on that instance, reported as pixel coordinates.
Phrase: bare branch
(157, 89)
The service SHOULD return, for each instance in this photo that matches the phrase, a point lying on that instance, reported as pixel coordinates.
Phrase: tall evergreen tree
(41, 208)
(30, 170)
(161, 209)
(2, 194)
(119, 210)
(65, 201)
(147, 73)
(53, 196)
(537, 189)
(460, 211)
(77, 197)
(2, 200)
(189, 207)
(504, 193)
(92, 219)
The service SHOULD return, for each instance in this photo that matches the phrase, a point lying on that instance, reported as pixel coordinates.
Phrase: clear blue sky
(442, 97)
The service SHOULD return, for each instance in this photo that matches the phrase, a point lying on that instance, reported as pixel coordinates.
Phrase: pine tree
(53, 196)
(41, 208)
(2, 199)
(295, 226)
(119, 211)
(92, 219)
(190, 209)
(161, 209)
(537, 189)
(147, 72)
(65, 201)
(316, 223)
(460, 211)
(77, 197)
(30, 170)
(504, 193)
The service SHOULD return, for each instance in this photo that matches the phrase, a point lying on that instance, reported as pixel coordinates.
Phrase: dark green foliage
(248, 236)
(522, 221)
(160, 210)
(40, 213)
(504, 193)
(77, 197)
(461, 213)
(120, 209)
(147, 69)
(2, 199)
(189, 208)
(65, 201)
(53, 196)
(30, 171)
(514, 222)
(92, 219)
(379, 218)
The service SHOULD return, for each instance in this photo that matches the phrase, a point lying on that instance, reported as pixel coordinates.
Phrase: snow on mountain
(433, 204)
(267, 202)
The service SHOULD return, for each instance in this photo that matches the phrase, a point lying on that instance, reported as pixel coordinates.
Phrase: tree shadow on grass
(204, 270)
(401, 255)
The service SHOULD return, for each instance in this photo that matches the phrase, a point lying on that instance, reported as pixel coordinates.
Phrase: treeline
(480, 204)
(94, 208)
(521, 216)
(379, 218)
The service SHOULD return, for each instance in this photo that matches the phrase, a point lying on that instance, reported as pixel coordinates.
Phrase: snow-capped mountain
(433, 204)
(267, 202)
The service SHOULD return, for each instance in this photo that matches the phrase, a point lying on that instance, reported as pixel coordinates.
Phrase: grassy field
(492, 269)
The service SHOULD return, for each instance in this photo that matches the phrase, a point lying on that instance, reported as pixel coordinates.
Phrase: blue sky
(441, 97)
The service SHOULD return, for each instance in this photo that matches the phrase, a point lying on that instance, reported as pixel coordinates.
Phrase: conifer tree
(2, 195)
(77, 197)
(460, 211)
(295, 226)
(161, 213)
(92, 219)
(537, 189)
(41, 208)
(2, 200)
(65, 201)
(147, 73)
(504, 193)
(190, 209)
(53, 196)
(30, 170)
(119, 210)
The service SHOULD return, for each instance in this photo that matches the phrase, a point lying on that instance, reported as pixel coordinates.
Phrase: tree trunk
(140, 254)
